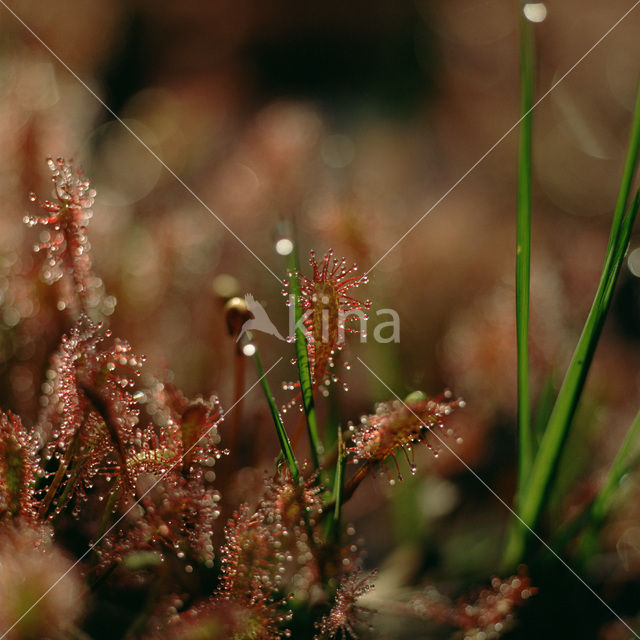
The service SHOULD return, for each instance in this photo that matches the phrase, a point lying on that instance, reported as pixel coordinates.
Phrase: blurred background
(348, 121)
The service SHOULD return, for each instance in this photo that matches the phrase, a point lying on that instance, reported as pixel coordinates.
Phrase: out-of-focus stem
(354, 481)
(238, 393)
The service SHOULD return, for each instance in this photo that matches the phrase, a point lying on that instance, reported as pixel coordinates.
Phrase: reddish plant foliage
(18, 470)
(193, 427)
(216, 619)
(485, 615)
(177, 515)
(345, 614)
(399, 425)
(66, 246)
(42, 592)
(327, 307)
(89, 422)
(148, 495)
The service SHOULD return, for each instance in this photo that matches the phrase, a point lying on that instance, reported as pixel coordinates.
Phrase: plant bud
(236, 314)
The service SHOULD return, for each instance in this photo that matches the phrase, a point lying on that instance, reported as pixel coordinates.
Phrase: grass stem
(523, 251)
(285, 444)
(533, 496)
(602, 504)
(332, 529)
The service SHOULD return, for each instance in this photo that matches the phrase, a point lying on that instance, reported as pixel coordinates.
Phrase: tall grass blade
(544, 408)
(536, 492)
(591, 519)
(620, 466)
(523, 250)
(602, 504)
(532, 497)
(628, 172)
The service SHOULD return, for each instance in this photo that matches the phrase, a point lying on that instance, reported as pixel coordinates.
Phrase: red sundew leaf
(196, 424)
(345, 614)
(250, 556)
(251, 579)
(193, 425)
(399, 425)
(67, 248)
(327, 304)
(18, 469)
(90, 417)
(221, 619)
(178, 515)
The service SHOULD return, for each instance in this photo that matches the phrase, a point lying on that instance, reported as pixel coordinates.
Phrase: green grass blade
(602, 504)
(620, 466)
(532, 497)
(523, 251)
(304, 371)
(628, 172)
(285, 444)
(594, 515)
(332, 527)
(536, 492)
(544, 408)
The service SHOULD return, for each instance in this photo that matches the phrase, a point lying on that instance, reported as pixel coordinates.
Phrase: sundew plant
(335, 500)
